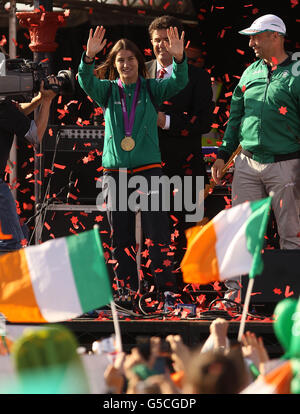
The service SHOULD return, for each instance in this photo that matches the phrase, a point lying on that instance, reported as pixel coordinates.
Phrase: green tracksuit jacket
(265, 112)
(146, 150)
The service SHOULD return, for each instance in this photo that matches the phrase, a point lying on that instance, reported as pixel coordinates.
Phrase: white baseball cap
(268, 22)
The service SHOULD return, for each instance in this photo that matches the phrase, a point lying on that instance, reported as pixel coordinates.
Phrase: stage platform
(193, 332)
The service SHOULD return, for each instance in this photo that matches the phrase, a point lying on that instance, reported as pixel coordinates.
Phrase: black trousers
(118, 190)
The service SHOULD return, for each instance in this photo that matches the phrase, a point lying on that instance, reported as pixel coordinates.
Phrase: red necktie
(161, 73)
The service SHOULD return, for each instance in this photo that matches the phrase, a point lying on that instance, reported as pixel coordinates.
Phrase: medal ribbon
(128, 122)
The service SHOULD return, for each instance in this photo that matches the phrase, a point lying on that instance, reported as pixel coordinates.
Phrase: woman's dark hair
(107, 70)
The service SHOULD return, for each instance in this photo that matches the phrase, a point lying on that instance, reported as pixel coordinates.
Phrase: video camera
(23, 77)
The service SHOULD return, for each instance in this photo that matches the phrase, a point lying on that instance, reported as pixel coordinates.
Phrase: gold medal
(127, 144)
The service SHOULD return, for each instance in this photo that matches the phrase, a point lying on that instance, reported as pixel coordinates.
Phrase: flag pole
(253, 271)
(113, 307)
(117, 327)
(245, 310)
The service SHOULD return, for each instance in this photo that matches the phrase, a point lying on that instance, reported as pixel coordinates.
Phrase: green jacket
(265, 113)
(146, 150)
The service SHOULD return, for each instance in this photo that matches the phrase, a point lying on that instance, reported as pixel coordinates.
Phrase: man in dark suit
(181, 122)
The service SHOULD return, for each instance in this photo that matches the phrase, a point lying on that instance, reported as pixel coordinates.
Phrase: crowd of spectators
(49, 360)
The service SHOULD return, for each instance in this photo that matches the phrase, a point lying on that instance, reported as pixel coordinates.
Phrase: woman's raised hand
(176, 45)
(95, 42)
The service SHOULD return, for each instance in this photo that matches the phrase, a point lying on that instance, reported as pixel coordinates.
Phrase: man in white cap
(265, 120)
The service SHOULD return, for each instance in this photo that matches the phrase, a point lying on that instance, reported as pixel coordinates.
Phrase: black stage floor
(193, 332)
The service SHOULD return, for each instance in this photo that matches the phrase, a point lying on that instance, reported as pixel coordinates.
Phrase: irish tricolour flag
(277, 381)
(229, 245)
(55, 281)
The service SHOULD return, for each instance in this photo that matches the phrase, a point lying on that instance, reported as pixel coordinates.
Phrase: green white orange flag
(277, 381)
(55, 281)
(228, 246)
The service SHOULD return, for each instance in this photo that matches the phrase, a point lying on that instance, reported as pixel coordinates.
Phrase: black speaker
(72, 154)
(280, 279)
(79, 167)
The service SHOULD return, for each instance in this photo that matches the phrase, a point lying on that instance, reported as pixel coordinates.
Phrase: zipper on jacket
(269, 77)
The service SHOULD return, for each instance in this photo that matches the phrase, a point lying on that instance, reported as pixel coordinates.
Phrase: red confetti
(27, 206)
(277, 291)
(222, 34)
(243, 88)
(287, 292)
(98, 218)
(128, 253)
(3, 41)
(282, 110)
(61, 167)
(148, 242)
(217, 286)
(145, 253)
(70, 195)
(241, 52)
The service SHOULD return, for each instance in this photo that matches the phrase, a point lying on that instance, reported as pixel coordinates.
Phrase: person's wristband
(90, 60)
(254, 370)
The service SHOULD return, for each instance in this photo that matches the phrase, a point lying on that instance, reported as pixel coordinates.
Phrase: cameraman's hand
(48, 94)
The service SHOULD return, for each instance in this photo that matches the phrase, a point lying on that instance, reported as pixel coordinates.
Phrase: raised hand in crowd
(180, 353)
(253, 348)
(218, 330)
(114, 374)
